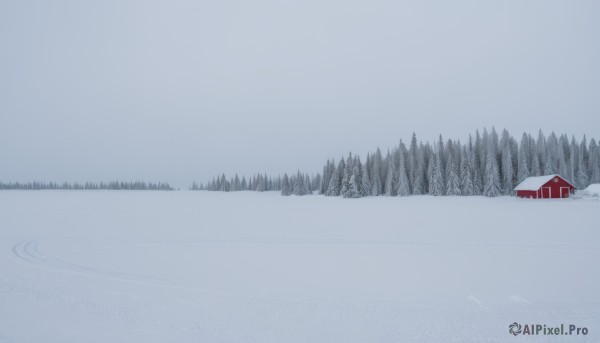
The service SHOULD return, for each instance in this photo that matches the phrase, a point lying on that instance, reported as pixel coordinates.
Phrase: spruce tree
(366, 181)
(285, 187)
(333, 188)
(357, 172)
(375, 175)
(507, 169)
(582, 179)
(403, 188)
(417, 184)
(299, 188)
(523, 166)
(452, 180)
(307, 189)
(437, 181)
(594, 162)
(346, 176)
(491, 186)
(466, 179)
(389, 179)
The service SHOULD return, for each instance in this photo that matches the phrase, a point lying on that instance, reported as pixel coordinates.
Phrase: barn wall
(555, 187)
(527, 194)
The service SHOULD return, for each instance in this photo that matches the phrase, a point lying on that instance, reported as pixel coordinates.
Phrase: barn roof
(535, 182)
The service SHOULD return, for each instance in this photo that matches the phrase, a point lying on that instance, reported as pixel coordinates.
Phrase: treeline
(488, 164)
(298, 184)
(112, 185)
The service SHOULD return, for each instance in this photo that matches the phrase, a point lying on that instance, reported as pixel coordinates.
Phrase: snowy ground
(258, 267)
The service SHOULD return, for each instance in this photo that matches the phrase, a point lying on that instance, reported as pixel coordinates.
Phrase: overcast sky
(183, 90)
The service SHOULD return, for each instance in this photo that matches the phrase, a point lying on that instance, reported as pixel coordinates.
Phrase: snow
(592, 190)
(109, 266)
(534, 183)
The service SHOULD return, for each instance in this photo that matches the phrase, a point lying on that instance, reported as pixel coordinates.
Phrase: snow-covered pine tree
(376, 174)
(357, 172)
(581, 178)
(346, 176)
(403, 187)
(224, 184)
(307, 189)
(441, 158)
(316, 183)
(437, 181)
(417, 186)
(466, 179)
(413, 165)
(430, 173)
(326, 177)
(353, 185)
(534, 158)
(299, 188)
(494, 142)
(507, 169)
(594, 162)
(389, 178)
(491, 185)
(352, 189)
(366, 180)
(237, 184)
(562, 162)
(485, 143)
(535, 163)
(478, 166)
(541, 149)
(332, 168)
(573, 160)
(552, 153)
(333, 189)
(523, 166)
(452, 180)
(285, 186)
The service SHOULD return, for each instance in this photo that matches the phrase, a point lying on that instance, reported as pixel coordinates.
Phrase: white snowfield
(110, 266)
(592, 190)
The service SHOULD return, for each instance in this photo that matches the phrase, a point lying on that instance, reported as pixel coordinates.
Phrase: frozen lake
(110, 266)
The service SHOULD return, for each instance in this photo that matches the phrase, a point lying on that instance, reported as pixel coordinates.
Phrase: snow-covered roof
(593, 189)
(534, 183)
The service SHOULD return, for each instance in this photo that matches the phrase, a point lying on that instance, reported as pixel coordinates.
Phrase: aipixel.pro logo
(516, 329)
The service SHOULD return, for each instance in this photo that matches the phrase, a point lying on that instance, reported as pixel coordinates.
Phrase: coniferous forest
(488, 163)
(112, 185)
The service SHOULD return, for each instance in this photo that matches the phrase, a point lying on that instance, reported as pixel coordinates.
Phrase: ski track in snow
(28, 250)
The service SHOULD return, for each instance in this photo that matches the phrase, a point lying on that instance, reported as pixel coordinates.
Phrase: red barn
(544, 187)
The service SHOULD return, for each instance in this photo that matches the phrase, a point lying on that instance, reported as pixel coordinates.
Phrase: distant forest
(489, 164)
(298, 184)
(112, 185)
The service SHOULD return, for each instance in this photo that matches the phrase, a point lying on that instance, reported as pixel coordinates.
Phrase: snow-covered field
(258, 267)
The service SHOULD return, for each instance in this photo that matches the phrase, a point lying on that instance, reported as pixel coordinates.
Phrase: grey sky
(183, 90)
